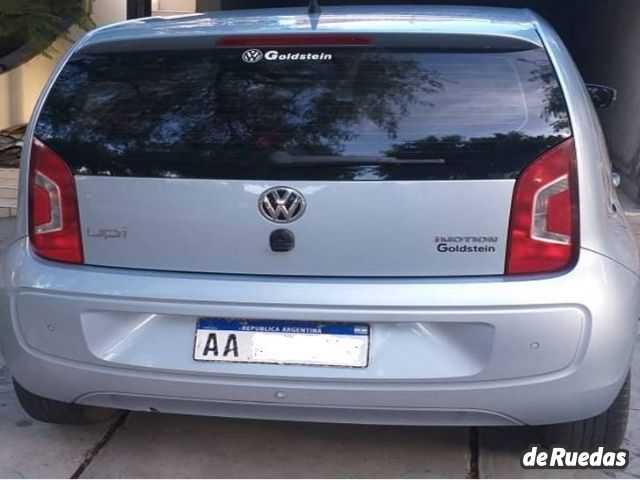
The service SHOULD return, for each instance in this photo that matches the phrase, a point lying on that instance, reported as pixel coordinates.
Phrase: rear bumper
(484, 351)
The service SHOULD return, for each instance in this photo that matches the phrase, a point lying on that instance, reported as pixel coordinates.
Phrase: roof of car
(505, 22)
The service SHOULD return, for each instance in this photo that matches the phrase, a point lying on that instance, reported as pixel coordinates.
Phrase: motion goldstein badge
(465, 244)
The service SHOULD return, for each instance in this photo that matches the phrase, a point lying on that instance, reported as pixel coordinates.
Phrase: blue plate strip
(282, 326)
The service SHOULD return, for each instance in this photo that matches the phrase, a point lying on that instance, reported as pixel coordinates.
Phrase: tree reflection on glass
(555, 107)
(365, 114)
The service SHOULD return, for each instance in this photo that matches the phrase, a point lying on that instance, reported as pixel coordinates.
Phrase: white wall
(104, 12)
(8, 103)
(19, 88)
(172, 7)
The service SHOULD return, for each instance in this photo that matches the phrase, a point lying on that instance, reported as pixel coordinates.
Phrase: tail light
(544, 226)
(295, 41)
(54, 223)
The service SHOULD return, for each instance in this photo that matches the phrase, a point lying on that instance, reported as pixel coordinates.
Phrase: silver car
(396, 215)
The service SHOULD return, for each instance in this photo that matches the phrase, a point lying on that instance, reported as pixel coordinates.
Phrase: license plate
(286, 343)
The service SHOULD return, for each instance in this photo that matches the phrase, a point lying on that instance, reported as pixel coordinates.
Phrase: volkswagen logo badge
(252, 55)
(282, 204)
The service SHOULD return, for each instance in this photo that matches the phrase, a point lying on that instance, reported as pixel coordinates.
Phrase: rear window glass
(314, 114)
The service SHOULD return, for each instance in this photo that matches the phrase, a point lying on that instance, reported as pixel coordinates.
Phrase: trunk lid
(348, 228)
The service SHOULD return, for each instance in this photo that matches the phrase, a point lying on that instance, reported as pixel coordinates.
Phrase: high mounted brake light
(544, 227)
(295, 41)
(54, 223)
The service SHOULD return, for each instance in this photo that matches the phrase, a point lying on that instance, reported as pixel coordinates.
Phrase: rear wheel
(604, 430)
(53, 411)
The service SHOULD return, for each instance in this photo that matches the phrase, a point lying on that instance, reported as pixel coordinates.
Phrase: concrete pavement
(152, 445)
(31, 449)
(160, 445)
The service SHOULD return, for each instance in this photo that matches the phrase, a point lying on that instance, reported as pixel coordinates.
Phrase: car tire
(53, 411)
(604, 430)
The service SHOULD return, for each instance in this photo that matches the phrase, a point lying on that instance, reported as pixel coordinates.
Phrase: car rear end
(348, 217)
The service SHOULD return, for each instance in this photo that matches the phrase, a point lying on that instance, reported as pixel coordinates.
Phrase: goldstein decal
(254, 55)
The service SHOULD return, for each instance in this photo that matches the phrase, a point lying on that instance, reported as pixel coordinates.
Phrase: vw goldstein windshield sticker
(253, 55)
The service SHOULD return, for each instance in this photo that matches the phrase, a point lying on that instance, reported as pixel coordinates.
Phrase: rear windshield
(305, 114)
